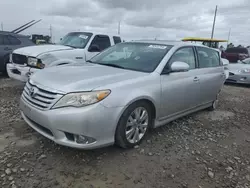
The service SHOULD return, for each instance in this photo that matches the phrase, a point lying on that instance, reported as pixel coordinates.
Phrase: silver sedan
(239, 72)
(122, 92)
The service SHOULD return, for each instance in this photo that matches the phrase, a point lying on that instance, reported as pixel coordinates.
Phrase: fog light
(81, 139)
(243, 78)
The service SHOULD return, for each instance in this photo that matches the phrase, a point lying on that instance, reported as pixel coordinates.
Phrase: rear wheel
(133, 125)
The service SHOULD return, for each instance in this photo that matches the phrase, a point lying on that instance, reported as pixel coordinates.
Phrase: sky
(139, 19)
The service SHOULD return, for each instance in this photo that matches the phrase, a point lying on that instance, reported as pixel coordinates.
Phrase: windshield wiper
(111, 65)
(69, 45)
(89, 61)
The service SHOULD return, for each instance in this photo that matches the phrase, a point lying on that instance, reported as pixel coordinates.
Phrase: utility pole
(119, 27)
(2, 26)
(229, 34)
(215, 13)
(50, 29)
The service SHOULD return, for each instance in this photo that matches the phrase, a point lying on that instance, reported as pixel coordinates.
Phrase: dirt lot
(206, 149)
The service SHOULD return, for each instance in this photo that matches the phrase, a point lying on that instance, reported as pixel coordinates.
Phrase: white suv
(74, 47)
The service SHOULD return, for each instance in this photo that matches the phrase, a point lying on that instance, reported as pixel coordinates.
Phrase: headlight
(81, 99)
(35, 62)
(32, 61)
(244, 71)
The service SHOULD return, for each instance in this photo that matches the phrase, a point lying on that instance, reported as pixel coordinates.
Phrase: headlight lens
(244, 71)
(81, 99)
(35, 62)
(32, 61)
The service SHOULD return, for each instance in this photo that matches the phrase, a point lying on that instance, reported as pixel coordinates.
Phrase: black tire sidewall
(120, 135)
(5, 62)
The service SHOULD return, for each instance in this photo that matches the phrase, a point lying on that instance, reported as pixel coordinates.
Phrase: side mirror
(179, 66)
(94, 48)
(225, 62)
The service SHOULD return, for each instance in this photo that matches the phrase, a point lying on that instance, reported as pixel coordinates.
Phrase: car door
(212, 75)
(5, 50)
(100, 41)
(180, 90)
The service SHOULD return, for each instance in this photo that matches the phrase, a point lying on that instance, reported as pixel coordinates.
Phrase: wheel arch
(142, 99)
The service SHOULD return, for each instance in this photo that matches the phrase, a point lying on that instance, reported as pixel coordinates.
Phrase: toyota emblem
(33, 91)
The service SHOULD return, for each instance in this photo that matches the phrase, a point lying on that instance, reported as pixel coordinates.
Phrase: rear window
(117, 40)
(237, 50)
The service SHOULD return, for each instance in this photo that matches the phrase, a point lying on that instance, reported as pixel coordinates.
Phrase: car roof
(94, 33)
(12, 34)
(170, 42)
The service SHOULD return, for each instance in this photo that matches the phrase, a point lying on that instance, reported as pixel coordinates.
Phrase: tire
(5, 62)
(214, 105)
(127, 124)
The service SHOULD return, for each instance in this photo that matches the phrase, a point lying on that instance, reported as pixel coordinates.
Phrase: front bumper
(238, 78)
(18, 72)
(94, 121)
(21, 73)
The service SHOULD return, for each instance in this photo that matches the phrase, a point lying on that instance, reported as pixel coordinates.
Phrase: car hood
(34, 51)
(237, 66)
(81, 77)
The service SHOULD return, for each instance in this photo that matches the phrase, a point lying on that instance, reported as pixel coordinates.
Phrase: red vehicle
(236, 53)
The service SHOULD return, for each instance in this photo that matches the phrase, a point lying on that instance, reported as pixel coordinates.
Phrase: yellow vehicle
(40, 41)
(213, 43)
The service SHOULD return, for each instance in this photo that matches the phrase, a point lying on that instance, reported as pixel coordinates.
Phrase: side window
(1, 39)
(117, 39)
(184, 55)
(208, 57)
(14, 40)
(6, 40)
(102, 41)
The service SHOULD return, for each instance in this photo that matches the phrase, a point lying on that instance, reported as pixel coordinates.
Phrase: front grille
(39, 97)
(19, 59)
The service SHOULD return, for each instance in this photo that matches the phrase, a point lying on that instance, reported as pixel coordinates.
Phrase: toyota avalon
(121, 93)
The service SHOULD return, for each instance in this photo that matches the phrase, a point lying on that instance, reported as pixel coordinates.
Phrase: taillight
(243, 56)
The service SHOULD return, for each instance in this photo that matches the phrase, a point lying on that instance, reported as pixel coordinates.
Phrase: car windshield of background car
(76, 40)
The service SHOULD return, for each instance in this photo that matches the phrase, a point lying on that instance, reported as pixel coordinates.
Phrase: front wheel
(215, 104)
(133, 125)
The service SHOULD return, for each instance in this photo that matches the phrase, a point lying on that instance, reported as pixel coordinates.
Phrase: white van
(74, 47)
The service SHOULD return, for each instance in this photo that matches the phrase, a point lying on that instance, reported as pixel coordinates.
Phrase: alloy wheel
(137, 125)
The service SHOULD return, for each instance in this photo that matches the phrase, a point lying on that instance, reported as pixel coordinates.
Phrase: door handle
(196, 79)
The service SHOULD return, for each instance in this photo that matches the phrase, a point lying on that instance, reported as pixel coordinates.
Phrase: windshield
(76, 39)
(143, 57)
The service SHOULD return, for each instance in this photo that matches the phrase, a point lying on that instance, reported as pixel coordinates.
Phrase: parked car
(236, 53)
(74, 47)
(8, 42)
(122, 92)
(239, 72)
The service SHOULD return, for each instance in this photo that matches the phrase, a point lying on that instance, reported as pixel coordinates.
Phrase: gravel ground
(203, 150)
